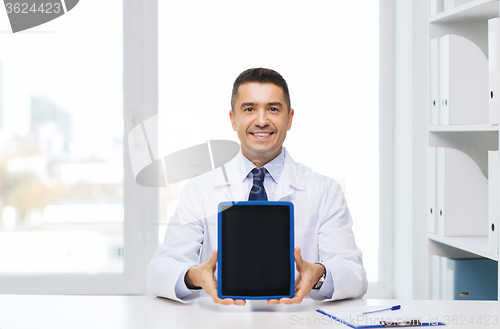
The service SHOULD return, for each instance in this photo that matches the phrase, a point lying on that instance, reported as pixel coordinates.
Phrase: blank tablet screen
(256, 249)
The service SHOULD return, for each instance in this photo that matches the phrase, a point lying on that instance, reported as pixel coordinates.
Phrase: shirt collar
(274, 167)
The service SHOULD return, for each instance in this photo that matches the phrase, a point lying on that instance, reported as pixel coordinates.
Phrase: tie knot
(258, 176)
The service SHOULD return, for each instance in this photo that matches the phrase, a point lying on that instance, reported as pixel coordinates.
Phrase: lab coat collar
(273, 167)
(291, 178)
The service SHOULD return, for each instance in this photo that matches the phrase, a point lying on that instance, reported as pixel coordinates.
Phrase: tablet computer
(255, 243)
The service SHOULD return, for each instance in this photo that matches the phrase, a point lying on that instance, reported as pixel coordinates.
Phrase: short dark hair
(260, 75)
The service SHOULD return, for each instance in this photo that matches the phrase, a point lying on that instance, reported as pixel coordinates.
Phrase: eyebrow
(253, 104)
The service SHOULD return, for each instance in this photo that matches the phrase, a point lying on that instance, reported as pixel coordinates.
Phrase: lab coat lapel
(232, 190)
(290, 180)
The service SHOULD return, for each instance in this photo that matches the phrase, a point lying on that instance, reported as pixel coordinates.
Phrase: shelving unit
(474, 245)
(481, 10)
(470, 21)
(463, 128)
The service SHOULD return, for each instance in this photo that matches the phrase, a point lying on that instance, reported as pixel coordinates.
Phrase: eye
(273, 109)
(249, 109)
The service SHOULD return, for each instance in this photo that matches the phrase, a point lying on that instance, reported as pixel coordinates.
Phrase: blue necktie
(258, 192)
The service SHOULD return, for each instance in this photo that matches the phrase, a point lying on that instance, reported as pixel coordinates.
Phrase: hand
(309, 274)
(202, 276)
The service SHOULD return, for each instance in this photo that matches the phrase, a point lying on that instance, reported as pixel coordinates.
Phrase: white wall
(409, 113)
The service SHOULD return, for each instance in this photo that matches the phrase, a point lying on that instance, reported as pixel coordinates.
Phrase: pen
(394, 308)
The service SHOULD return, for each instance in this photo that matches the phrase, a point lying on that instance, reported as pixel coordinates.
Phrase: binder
(461, 2)
(444, 73)
(472, 279)
(444, 279)
(436, 277)
(462, 191)
(493, 62)
(449, 5)
(436, 6)
(440, 188)
(431, 189)
(493, 200)
(463, 82)
(434, 74)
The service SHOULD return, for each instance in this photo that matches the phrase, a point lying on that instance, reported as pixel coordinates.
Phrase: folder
(472, 279)
(461, 2)
(493, 62)
(436, 277)
(444, 279)
(440, 188)
(444, 73)
(493, 200)
(463, 82)
(431, 189)
(434, 61)
(462, 195)
(436, 6)
(449, 5)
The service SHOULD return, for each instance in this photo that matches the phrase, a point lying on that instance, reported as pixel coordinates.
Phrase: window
(62, 212)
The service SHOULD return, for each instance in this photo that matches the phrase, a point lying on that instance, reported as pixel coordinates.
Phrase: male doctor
(328, 262)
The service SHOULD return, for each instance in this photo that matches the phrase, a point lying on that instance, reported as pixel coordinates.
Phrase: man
(328, 261)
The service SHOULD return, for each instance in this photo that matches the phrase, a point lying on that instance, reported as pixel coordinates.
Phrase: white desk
(143, 312)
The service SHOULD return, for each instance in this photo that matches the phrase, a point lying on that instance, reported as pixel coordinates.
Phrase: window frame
(140, 101)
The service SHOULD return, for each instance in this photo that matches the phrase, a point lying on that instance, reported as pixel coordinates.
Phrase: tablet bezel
(291, 247)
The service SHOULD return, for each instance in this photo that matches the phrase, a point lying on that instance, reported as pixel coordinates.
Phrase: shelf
(477, 10)
(474, 140)
(477, 245)
(463, 128)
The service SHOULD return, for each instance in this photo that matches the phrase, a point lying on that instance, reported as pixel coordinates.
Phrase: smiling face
(261, 119)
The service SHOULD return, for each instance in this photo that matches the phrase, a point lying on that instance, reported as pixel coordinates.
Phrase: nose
(261, 120)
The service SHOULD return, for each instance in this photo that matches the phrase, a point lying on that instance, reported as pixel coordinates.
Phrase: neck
(261, 160)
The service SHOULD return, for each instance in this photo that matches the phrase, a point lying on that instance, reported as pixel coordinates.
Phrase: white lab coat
(322, 228)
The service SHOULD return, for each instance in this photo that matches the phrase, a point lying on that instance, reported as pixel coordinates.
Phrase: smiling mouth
(262, 135)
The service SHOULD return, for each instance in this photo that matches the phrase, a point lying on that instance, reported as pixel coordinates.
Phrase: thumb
(298, 258)
(213, 259)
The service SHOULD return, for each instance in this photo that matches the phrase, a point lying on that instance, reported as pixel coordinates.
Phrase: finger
(211, 289)
(298, 279)
(294, 300)
(216, 299)
(273, 301)
(296, 253)
(285, 300)
(298, 258)
(301, 293)
(213, 258)
(240, 302)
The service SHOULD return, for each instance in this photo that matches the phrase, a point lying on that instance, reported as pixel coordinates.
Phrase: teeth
(262, 134)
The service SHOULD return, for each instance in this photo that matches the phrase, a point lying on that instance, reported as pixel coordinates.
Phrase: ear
(232, 117)
(290, 118)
